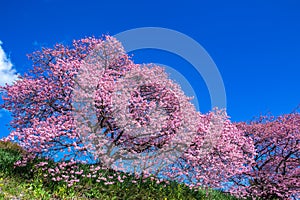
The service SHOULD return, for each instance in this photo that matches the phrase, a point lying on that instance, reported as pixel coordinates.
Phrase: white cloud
(7, 73)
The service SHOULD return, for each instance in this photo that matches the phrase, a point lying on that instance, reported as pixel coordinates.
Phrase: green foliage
(36, 189)
(37, 186)
(9, 154)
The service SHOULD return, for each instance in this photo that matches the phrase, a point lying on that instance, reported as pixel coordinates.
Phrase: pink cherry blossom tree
(276, 172)
(90, 101)
(49, 105)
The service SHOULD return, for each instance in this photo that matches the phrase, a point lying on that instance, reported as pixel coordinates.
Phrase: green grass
(35, 188)
(20, 183)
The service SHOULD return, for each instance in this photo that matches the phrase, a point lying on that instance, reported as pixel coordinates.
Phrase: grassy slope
(16, 187)
(20, 183)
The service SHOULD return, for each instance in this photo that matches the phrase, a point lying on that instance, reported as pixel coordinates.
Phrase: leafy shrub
(9, 153)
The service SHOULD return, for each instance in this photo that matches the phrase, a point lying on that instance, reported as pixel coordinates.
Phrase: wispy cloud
(7, 73)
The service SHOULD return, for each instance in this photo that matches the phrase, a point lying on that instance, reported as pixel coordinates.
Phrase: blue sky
(255, 44)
